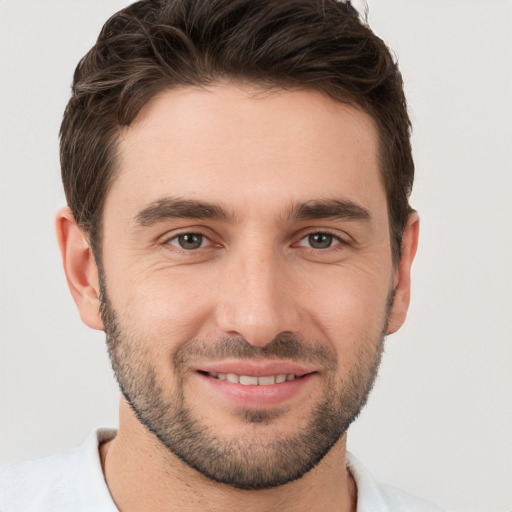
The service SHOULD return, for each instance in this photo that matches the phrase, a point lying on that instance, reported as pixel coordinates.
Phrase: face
(247, 277)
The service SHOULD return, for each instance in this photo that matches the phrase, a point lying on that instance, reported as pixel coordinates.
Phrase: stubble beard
(254, 460)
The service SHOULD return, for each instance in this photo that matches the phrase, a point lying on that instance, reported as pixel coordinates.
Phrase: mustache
(283, 346)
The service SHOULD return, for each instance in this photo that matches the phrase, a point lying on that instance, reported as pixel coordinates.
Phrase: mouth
(252, 386)
(252, 380)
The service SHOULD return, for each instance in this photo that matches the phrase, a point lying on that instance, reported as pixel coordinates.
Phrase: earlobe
(80, 268)
(402, 278)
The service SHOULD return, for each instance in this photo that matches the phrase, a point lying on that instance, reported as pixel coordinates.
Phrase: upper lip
(255, 368)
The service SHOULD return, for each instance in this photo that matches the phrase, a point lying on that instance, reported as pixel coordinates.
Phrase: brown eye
(188, 241)
(320, 240)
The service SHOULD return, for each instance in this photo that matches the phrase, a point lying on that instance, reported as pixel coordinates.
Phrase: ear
(402, 278)
(80, 268)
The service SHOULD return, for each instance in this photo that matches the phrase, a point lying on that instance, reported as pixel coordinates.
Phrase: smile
(248, 380)
(255, 386)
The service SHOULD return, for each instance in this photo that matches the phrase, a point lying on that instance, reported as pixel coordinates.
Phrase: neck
(143, 475)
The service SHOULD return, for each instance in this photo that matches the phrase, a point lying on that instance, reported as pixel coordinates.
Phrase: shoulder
(399, 500)
(59, 482)
(376, 497)
(38, 484)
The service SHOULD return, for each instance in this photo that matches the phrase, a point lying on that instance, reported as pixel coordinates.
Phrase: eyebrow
(174, 208)
(330, 209)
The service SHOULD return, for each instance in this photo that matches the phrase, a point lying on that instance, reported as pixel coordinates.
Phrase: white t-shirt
(73, 482)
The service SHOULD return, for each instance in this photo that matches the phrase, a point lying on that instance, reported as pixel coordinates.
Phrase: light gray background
(440, 420)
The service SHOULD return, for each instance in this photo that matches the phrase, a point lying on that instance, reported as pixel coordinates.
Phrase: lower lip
(257, 397)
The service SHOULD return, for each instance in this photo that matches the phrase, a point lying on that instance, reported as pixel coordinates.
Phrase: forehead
(247, 149)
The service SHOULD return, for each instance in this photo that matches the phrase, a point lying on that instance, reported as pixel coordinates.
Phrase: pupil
(320, 240)
(190, 241)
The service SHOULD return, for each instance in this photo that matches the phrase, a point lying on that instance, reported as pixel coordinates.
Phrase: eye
(319, 241)
(189, 241)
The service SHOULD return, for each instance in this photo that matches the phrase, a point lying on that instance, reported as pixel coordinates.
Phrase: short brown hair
(154, 45)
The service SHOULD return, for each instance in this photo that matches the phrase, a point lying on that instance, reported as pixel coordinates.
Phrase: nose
(258, 298)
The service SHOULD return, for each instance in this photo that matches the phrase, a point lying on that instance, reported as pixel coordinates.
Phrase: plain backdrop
(439, 422)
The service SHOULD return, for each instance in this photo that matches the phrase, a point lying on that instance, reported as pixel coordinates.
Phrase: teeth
(248, 380)
(265, 381)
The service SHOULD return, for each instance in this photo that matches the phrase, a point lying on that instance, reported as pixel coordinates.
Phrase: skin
(255, 155)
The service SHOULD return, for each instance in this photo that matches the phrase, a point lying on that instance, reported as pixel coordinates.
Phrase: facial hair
(252, 461)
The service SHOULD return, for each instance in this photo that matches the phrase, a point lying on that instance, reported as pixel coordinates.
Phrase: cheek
(348, 305)
(165, 310)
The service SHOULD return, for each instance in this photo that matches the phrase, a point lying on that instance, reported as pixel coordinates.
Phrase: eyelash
(336, 244)
(188, 233)
(336, 241)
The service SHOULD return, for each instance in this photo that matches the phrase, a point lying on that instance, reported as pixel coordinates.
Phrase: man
(237, 176)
